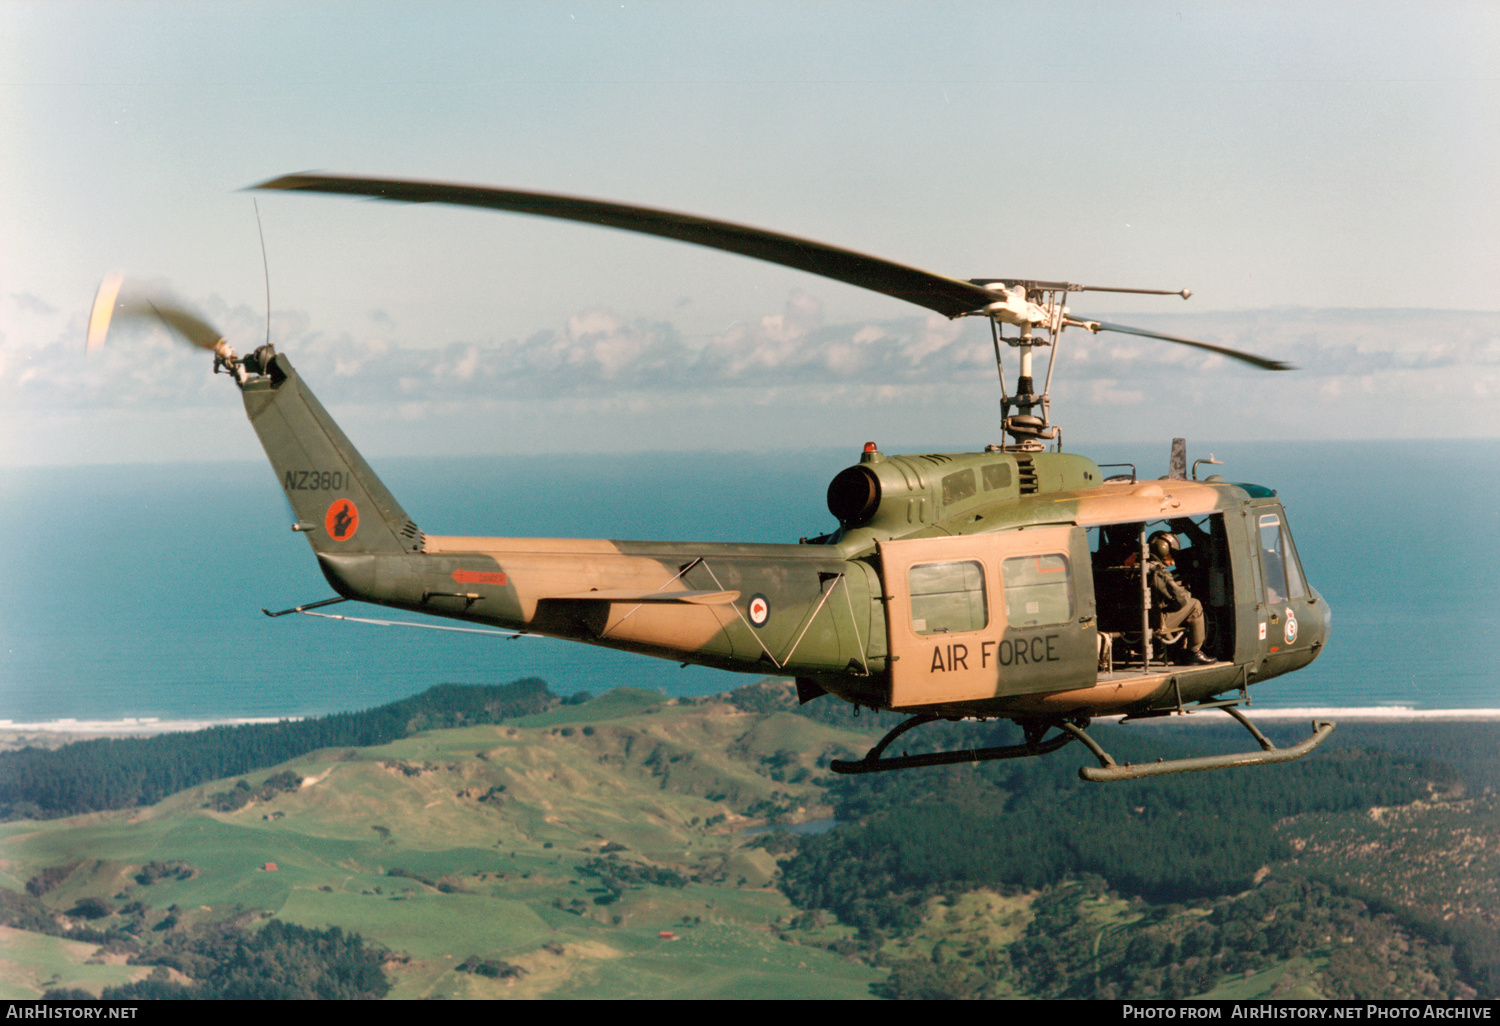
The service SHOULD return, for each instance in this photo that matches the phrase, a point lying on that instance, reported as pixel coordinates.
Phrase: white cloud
(791, 366)
(33, 305)
(1104, 393)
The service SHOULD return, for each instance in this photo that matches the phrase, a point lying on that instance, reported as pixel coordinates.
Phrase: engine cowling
(898, 493)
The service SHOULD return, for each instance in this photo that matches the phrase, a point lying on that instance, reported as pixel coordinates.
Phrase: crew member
(1174, 602)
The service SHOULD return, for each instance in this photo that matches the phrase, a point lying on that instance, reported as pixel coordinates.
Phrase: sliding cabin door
(989, 615)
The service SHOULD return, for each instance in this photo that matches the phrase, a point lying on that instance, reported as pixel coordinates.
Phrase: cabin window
(996, 475)
(1038, 590)
(1283, 576)
(958, 487)
(947, 598)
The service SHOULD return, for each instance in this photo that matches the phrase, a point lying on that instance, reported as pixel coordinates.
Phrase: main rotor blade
(1233, 354)
(948, 296)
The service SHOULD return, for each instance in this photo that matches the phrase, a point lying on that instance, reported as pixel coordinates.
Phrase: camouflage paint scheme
(834, 613)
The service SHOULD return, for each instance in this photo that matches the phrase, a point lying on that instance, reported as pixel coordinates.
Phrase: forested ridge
(118, 773)
(1030, 823)
(1204, 856)
(280, 961)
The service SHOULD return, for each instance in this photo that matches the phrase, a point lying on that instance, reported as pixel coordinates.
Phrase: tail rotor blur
(115, 302)
(110, 306)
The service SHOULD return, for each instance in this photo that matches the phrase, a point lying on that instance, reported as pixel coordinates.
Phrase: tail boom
(753, 608)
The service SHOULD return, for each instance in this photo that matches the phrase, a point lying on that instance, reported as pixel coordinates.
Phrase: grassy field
(32, 963)
(468, 843)
(1289, 981)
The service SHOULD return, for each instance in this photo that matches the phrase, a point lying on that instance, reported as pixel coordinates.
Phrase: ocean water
(135, 591)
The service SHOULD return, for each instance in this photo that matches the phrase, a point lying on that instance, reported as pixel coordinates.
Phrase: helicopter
(1014, 583)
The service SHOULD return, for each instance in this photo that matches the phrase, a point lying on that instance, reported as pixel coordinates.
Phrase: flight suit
(1176, 605)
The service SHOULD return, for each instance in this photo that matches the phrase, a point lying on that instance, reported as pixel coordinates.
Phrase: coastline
(1348, 714)
(56, 733)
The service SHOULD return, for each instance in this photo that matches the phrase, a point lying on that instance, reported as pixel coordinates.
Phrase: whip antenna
(264, 266)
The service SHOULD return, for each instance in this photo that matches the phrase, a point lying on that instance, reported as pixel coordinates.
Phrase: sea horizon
(147, 725)
(137, 590)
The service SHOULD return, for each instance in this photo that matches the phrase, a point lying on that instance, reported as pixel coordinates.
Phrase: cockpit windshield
(1283, 575)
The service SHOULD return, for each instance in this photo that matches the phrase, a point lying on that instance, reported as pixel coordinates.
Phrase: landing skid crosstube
(1108, 768)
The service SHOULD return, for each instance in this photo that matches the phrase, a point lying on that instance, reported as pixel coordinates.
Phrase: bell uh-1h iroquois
(1012, 583)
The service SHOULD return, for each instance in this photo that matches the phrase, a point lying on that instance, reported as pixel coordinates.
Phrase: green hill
(603, 849)
(469, 844)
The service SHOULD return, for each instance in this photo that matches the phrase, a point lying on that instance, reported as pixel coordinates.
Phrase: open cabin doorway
(1133, 641)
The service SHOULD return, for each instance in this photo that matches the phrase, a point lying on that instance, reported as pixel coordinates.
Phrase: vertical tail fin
(337, 499)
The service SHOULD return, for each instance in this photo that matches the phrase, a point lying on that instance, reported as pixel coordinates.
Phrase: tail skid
(307, 610)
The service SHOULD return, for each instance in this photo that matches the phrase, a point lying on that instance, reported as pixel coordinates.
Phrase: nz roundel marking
(341, 520)
(759, 610)
(1290, 631)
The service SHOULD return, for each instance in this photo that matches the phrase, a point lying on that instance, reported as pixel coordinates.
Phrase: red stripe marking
(478, 577)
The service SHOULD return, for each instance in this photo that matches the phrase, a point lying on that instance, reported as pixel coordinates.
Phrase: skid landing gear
(1108, 769)
(873, 763)
(1072, 730)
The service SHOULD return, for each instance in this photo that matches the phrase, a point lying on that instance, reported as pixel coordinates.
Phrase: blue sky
(1313, 171)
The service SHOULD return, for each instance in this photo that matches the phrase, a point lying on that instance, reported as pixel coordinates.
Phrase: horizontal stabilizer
(696, 598)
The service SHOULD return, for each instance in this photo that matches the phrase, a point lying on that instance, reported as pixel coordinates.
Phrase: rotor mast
(1033, 307)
